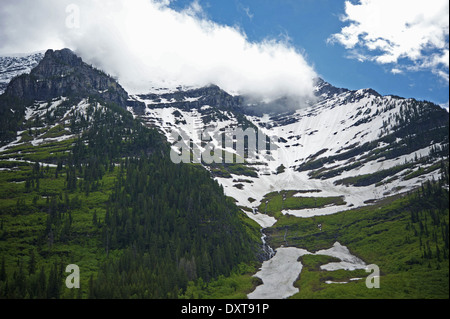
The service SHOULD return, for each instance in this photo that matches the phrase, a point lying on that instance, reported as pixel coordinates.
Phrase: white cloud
(396, 71)
(145, 43)
(387, 32)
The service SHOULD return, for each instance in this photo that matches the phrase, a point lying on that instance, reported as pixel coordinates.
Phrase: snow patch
(281, 271)
(278, 274)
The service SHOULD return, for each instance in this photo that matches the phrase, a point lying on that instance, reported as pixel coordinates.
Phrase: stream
(267, 249)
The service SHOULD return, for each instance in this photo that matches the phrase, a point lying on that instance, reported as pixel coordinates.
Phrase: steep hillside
(357, 145)
(59, 76)
(85, 183)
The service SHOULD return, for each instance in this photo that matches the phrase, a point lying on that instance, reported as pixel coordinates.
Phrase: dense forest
(176, 226)
(155, 225)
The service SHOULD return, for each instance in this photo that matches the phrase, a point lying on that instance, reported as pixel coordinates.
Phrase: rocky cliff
(62, 73)
(59, 74)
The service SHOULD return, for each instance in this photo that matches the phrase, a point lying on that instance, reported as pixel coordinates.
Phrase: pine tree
(32, 263)
(3, 270)
(42, 284)
(53, 287)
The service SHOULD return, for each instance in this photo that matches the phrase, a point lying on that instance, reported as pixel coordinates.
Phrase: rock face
(59, 74)
(62, 73)
(325, 90)
(192, 99)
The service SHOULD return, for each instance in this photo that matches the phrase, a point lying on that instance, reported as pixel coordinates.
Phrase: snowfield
(327, 128)
(280, 272)
(12, 66)
(348, 261)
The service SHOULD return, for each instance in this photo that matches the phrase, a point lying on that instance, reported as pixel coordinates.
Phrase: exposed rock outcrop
(62, 73)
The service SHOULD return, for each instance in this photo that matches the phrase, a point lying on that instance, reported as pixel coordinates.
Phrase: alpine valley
(355, 179)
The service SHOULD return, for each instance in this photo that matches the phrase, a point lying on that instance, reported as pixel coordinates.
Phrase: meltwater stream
(267, 249)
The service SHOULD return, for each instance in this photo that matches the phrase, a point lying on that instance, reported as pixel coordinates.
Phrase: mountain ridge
(347, 139)
(96, 188)
(26, 63)
(63, 73)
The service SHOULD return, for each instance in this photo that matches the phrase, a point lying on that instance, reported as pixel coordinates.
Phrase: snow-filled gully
(281, 271)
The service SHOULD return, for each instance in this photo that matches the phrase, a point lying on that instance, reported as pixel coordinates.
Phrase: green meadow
(405, 236)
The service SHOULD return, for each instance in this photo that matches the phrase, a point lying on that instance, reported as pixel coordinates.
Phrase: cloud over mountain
(146, 43)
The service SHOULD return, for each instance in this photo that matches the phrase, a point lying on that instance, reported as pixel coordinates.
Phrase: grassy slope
(383, 234)
(23, 216)
(285, 200)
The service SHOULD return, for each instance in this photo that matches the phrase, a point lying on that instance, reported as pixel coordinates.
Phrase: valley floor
(406, 237)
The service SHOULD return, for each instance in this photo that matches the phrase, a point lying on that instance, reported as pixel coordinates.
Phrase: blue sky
(308, 24)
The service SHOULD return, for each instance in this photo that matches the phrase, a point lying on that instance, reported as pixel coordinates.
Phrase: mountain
(357, 145)
(60, 74)
(87, 177)
(346, 169)
(353, 167)
(11, 67)
(85, 183)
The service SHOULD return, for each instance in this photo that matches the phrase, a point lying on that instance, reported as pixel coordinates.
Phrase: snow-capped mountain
(357, 145)
(59, 83)
(12, 66)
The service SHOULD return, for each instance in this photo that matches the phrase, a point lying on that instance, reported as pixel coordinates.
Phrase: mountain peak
(325, 90)
(63, 73)
(63, 56)
(65, 53)
(367, 91)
